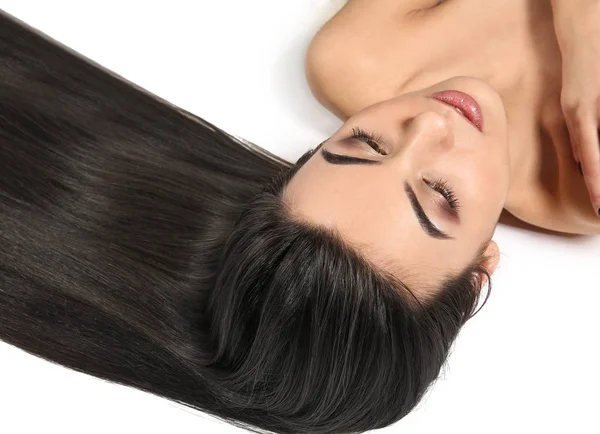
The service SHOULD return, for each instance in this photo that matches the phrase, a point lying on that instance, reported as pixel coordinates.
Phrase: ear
(493, 254)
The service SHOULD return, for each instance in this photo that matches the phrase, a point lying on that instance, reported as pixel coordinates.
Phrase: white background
(527, 363)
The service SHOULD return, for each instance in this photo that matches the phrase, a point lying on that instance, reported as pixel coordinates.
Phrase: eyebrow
(428, 227)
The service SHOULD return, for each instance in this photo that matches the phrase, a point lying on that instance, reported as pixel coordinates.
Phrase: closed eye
(444, 188)
(375, 141)
(425, 223)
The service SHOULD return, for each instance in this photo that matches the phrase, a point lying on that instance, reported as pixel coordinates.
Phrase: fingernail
(580, 169)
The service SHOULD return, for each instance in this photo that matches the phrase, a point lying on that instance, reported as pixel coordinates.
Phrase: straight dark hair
(145, 246)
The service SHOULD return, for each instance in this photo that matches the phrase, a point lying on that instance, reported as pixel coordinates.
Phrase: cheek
(485, 184)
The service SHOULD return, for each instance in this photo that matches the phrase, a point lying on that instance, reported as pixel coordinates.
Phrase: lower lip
(465, 103)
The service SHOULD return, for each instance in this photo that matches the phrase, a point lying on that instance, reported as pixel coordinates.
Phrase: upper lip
(466, 103)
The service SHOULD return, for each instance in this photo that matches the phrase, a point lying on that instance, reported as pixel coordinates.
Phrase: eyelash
(444, 188)
(441, 186)
(371, 139)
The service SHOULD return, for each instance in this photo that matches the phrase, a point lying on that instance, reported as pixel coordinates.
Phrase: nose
(431, 128)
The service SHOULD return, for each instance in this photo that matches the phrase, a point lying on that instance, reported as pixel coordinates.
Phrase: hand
(578, 34)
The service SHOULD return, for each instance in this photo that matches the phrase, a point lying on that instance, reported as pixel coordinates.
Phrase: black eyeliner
(424, 221)
(431, 229)
(345, 159)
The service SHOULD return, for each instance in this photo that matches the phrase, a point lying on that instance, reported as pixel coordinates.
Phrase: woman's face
(386, 206)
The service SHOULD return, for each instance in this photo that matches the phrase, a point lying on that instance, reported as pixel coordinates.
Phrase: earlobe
(493, 254)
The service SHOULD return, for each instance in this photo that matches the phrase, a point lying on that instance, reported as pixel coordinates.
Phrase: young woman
(373, 50)
(145, 246)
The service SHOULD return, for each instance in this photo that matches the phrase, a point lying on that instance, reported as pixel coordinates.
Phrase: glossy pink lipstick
(463, 102)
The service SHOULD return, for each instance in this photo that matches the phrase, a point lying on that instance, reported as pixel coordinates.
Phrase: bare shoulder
(508, 219)
(354, 46)
(560, 221)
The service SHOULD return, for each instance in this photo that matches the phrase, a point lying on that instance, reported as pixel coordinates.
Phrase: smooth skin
(577, 24)
(376, 50)
(424, 139)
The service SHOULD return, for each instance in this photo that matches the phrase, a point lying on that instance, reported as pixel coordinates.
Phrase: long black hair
(145, 246)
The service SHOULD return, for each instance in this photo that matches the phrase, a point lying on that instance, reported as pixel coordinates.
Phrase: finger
(589, 151)
(573, 139)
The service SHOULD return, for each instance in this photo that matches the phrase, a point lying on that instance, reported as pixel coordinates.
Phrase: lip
(466, 103)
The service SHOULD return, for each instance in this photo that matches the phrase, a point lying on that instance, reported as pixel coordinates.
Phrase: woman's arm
(577, 28)
(572, 19)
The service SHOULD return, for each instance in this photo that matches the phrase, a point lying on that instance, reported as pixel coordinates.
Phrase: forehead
(375, 218)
